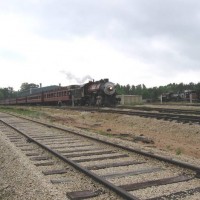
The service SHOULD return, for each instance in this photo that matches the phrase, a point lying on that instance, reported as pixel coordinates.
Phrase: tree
(127, 89)
(7, 93)
(119, 89)
(133, 90)
(27, 86)
(1, 94)
(139, 89)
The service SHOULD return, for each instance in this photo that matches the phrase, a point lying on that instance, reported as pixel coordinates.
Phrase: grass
(21, 111)
(83, 117)
(179, 151)
(169, 147)
(105, 133)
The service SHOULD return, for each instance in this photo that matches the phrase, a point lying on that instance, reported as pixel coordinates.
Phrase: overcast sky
(151, 42)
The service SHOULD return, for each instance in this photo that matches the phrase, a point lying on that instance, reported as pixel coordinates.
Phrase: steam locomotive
(93, 93)
(186, 95)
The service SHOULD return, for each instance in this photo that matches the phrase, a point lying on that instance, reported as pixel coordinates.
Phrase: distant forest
(147, 93)
(9, 92)
(153, 93)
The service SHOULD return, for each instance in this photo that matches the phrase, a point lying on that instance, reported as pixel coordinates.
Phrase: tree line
(10, 93)
(152, 93)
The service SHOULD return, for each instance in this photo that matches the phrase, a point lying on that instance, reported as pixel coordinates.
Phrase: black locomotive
(100, 93)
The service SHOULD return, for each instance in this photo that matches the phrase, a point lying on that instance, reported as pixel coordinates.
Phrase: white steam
(70, 76)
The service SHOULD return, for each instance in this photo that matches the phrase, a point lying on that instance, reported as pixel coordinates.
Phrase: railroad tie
(44, 164)
(76, 195)
(57, 171)
(165, 181)
(39, 158)
(116, 164)
(132, 173)
(177, 195)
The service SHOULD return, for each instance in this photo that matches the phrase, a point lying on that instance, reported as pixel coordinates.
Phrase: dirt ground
(177, 138)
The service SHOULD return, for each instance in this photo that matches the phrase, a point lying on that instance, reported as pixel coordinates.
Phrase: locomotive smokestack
(40, 85)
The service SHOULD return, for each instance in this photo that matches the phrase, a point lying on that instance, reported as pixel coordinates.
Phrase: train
(186, 95)
(92, 93)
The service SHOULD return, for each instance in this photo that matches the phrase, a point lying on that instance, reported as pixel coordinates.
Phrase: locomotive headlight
(109, 88)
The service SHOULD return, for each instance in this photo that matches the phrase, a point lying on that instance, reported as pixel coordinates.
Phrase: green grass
(105, 133)
(21, 111)
(179, 151)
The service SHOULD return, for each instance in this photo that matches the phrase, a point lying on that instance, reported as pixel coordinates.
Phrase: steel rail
(89, 173)
(178, 117)
(162, 110)
(130, 149)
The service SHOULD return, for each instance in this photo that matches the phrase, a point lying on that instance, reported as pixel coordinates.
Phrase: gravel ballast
(17, 172)
(19, 179)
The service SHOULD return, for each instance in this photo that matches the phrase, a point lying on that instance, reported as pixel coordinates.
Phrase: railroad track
(163, 110)
(87, 167)
(180, 118)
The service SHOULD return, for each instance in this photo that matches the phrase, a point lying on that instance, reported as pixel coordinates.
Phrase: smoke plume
(80, 81)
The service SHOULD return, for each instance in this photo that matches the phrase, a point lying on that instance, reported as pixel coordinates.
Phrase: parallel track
(163, 110)
(180, 118)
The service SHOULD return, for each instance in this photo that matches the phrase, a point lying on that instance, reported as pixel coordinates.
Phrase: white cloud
(39, 59)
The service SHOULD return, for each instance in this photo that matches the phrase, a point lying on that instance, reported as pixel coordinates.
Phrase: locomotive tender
(100, 93)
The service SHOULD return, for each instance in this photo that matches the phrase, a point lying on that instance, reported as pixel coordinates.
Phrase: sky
(150, 42)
